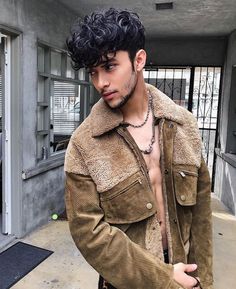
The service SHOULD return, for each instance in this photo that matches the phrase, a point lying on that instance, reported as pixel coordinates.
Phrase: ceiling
(188, 18)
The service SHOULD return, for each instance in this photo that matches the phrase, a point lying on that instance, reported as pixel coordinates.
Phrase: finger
(197, 285)
(190, 267)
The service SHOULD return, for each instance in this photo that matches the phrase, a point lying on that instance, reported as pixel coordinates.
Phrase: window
(64, 100)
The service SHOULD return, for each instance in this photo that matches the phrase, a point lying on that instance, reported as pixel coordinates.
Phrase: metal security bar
(206, 93)
(198, 90)
(174, 82)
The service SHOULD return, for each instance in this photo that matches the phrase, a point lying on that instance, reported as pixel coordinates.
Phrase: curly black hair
(102, 33)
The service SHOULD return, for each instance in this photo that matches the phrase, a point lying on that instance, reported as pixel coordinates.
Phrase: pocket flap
(130, 201)
(185, 182)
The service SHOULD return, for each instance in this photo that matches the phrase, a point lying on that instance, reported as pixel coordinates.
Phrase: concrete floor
(66, 268)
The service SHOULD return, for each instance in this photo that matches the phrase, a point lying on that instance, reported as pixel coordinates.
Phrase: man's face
(115, 79)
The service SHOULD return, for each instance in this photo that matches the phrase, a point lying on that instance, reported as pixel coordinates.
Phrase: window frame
(46, 78)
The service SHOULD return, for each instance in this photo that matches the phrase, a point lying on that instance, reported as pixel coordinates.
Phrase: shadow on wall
(228, 196)
(225, 186)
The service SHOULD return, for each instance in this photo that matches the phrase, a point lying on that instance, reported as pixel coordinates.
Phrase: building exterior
(42, 100)
(225, 177)
(37, 87)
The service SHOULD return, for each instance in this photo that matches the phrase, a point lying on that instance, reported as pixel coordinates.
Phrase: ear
(140, 59)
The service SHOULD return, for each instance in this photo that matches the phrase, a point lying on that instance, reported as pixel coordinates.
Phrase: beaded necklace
(152, 141)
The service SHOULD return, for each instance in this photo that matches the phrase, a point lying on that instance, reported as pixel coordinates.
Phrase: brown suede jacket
(111, 207)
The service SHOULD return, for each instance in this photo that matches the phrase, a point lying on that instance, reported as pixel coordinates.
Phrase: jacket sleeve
(120, 261)
(201, 229)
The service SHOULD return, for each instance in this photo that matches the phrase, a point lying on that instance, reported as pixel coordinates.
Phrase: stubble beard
(129, 86)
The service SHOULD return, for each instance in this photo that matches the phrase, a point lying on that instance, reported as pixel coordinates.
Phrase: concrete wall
(204, 51)
(42, 196)
(225, 178)
(49, 21)
(225, 183)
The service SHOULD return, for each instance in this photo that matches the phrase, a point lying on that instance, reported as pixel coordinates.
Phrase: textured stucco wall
(225, 177)
(44, 20)
(226, 103)
(43, 195)
(225, 183)
(48, 21)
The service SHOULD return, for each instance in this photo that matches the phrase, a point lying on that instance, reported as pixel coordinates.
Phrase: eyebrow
(102, 64)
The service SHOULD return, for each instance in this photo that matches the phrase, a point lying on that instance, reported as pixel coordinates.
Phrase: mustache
(107, 91)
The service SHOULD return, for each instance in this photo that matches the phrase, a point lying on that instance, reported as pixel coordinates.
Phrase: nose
(102, 81)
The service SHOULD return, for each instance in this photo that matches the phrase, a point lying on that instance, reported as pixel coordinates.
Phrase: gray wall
(202, 51)
(49, 21)
(225, 182)
(42, 196)
(225, 178)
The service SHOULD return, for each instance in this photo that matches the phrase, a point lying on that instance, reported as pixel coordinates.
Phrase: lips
(108, 95)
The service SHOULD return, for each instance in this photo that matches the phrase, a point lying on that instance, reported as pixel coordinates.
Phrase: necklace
(146, 119)
(152, 141)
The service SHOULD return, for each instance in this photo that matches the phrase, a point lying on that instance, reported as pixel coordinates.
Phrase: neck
(135, 110)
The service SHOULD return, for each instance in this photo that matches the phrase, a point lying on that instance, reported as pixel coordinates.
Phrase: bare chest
(142, 138)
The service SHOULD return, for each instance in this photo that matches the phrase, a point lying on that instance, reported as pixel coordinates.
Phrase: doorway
(5, 140)
(1, 118)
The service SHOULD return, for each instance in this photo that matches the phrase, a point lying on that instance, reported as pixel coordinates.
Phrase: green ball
(54, 216)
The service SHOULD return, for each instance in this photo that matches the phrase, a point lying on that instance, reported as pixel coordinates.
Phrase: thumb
(190, 267)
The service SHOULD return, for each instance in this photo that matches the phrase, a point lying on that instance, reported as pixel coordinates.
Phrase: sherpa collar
(103, 119)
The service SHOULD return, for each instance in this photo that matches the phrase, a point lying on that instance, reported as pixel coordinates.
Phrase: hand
(180, 276)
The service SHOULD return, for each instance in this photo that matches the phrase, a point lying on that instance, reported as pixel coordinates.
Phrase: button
(166, 171)
(171, 125)
(149, 206)
(175, 221)
(182, 174)
(140, 181)
(182, 197)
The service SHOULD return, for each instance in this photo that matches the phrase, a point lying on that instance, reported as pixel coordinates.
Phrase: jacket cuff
(175, 285)
(207, 286)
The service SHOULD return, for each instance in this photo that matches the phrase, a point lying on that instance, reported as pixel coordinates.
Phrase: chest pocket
(130, 201)
(185, 182)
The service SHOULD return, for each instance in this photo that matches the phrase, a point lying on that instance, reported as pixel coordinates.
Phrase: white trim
(7, 222)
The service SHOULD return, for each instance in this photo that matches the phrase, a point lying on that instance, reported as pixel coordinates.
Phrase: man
(137, 189)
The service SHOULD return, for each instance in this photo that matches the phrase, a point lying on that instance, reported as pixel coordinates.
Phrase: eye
(91, 73)
(109, 66)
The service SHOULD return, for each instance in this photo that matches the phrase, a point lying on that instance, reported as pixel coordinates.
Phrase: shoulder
(165, 107)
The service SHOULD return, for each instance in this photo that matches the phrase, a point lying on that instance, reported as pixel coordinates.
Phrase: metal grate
(206, 93)
(198, 90)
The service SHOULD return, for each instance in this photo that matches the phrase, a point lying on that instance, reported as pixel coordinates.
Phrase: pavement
(67, 269)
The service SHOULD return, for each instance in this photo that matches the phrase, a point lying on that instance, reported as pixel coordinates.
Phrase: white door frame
(6, 139)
